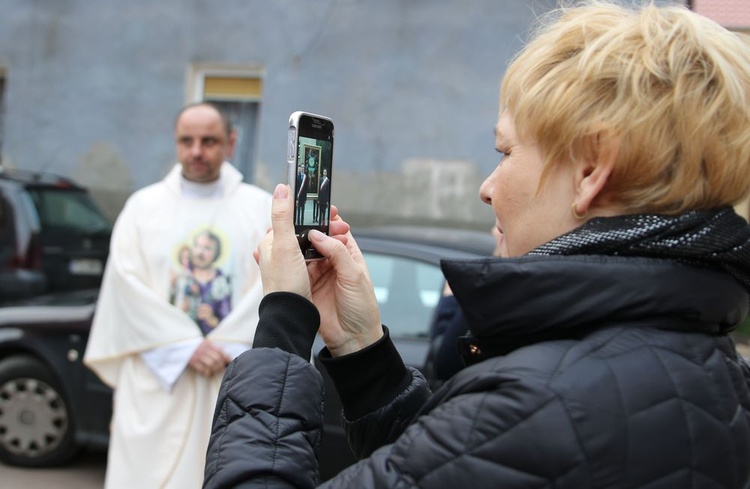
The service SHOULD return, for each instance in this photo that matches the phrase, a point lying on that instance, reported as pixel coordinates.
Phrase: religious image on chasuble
(198, 285)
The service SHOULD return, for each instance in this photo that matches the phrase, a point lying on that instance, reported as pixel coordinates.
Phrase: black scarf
(717, 239)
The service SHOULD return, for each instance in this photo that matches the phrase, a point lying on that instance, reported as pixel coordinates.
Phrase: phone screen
(313, 175)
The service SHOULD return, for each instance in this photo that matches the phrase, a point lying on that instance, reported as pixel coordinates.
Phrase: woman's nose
(485, 190)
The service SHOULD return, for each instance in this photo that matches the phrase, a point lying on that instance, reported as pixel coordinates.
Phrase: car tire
(36, 426)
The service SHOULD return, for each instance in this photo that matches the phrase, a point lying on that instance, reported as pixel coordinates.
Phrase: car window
(407, 290)
(71, 210)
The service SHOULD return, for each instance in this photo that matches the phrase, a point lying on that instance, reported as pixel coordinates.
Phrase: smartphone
(309, 159)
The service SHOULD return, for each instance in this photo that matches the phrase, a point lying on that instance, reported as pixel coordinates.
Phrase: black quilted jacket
(603, 372)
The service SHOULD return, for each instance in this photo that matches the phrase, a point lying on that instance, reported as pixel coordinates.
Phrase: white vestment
(142, 336)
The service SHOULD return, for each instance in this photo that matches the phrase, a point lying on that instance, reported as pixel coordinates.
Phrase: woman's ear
(593, 170)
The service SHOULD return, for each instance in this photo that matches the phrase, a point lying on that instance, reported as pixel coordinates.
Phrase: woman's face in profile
(525, 215)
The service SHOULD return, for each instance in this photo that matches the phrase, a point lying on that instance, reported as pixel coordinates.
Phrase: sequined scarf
(717, 239)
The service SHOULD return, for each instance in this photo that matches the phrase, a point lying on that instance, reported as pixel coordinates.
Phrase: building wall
(91, 91)
(734, 15)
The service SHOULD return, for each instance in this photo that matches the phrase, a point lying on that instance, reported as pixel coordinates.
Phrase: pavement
(84, 472)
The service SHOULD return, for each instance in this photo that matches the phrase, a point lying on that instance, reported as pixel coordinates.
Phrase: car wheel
(36, 428)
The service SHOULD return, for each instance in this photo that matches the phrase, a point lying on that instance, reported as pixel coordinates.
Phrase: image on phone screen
(313, 183)
(312, 178)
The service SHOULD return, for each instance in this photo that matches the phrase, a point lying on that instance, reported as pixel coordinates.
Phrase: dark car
(53, 237)
(51, 405)
(21, 272)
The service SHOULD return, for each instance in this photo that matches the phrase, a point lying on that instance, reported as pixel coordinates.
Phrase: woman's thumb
(282, 210)
(332, 249)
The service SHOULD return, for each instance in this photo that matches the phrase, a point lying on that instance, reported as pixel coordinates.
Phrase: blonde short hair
(666, 88)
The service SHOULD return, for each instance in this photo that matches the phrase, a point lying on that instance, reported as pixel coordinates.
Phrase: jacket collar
(517, 301)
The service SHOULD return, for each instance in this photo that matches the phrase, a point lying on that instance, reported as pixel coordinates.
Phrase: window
(407, 291)
(238, 92)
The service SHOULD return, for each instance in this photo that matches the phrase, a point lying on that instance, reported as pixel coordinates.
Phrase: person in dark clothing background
(448, 325)
(600, 354)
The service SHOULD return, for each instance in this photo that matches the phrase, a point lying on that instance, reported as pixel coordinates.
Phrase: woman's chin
(502, 247)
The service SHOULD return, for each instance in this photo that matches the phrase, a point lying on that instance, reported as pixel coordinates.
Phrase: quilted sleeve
(267, 424)
(380, 396)
(386, 424)
(494, 431)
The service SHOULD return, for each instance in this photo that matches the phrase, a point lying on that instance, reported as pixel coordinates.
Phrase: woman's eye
(504, 153)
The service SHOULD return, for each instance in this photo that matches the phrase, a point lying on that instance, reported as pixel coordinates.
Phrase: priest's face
(202, 143)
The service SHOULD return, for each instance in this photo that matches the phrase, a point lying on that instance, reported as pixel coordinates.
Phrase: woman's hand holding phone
(282, 266)
(343, 293)
(339, 285)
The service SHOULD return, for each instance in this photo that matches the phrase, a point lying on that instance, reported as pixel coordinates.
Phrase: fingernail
(281, 191)
(316, 235)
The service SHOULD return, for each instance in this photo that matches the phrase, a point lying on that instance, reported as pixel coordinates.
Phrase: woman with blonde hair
(599, 352)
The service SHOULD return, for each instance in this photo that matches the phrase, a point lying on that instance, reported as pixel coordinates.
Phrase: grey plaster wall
(93, 86)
